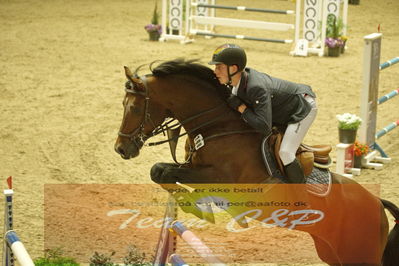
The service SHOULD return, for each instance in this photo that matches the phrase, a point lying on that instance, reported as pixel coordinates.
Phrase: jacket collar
(242, 89)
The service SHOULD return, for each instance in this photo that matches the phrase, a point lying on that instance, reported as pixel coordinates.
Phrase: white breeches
(295, 133)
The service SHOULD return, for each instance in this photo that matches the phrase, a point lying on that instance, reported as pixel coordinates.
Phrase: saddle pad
(319, 182)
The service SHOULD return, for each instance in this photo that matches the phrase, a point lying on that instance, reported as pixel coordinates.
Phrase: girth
(174, 134)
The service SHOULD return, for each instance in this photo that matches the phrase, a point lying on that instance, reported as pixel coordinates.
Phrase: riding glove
(234, 102)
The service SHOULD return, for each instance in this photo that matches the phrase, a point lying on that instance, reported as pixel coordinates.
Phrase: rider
(263, 100)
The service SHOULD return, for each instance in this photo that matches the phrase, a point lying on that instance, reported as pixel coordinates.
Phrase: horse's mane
(188, 69)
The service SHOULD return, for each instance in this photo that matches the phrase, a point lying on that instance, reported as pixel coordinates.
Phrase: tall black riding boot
(299, 193)
(294, 173)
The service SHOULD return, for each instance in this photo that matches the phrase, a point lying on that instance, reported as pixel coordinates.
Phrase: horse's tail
(391, 252)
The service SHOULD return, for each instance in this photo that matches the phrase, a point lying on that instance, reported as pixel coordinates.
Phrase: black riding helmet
(229, 54)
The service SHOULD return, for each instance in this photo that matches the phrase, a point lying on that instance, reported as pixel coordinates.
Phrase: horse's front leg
(169, 173)
(199, 199)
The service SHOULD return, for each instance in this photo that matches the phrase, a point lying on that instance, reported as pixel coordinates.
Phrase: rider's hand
(242, 108)
(234, 102)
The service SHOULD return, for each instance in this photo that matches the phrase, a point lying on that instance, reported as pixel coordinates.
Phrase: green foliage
(56, 262)
(53, 257)
(134, 257)
(99, 259)
(155, 15)
(334, 27)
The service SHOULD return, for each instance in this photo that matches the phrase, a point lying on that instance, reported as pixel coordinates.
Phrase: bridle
(138, 136)
(138, 133)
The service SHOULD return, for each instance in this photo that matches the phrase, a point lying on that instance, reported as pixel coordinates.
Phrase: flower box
(347, 127)
(154, 29)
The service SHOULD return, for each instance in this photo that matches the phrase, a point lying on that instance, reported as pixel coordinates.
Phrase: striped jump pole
(195, 243)
(389, 63)
(392, 125)
(386, 129)
(381, 133)
(243, 8)
(18, 249)
(388, 96)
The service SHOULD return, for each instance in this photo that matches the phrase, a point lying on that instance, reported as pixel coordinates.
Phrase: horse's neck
(192, 104)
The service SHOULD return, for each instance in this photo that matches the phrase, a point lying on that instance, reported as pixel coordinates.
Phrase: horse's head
(140, 117)
(180, 89)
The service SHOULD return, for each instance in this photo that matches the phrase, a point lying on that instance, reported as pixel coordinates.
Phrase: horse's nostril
(120, 150)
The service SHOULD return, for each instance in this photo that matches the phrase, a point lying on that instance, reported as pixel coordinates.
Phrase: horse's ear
(128, 73)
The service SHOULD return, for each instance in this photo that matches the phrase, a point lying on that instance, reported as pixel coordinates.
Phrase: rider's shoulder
(257, 80)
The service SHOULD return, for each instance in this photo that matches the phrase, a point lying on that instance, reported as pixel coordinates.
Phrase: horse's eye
(128, 85)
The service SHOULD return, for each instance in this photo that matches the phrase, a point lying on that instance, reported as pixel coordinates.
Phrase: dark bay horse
(221, 148)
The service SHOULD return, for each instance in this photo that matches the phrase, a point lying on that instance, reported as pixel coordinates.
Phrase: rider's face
(221, 73)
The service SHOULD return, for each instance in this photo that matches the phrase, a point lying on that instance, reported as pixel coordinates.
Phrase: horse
(222, 149)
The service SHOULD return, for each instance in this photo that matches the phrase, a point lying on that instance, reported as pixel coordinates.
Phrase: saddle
(307, 155)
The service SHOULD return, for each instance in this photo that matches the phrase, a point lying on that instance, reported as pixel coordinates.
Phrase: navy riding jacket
(272, 101)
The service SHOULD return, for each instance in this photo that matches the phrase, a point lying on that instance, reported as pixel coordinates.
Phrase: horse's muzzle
(128, 150)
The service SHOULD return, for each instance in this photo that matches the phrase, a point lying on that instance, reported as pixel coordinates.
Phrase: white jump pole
(242, 23)
(18, 249)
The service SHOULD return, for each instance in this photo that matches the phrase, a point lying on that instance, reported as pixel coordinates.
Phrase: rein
(139, 135)
(162, 128)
